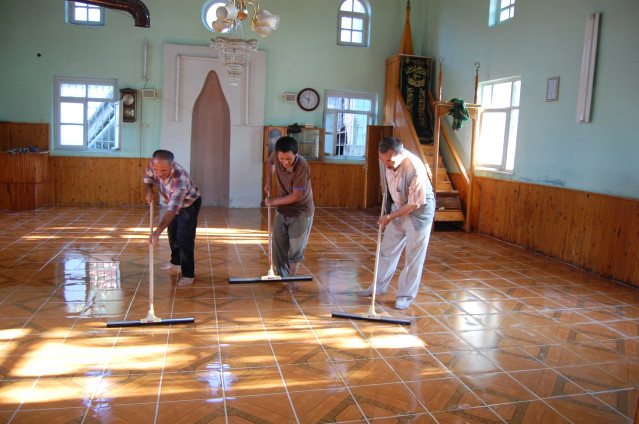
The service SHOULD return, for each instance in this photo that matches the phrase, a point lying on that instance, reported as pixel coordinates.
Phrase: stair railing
(405, 131)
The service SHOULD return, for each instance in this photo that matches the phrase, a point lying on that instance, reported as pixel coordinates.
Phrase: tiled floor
(497, 334)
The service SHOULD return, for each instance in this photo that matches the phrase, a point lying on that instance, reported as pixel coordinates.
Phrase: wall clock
(308, 99)
(129, 103)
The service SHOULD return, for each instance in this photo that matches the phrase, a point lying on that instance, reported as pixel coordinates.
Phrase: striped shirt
(178, 191)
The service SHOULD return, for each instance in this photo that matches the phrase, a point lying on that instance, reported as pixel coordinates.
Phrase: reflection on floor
(498, 333)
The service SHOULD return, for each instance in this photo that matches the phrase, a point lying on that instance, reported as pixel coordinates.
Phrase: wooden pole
(467, 224)
(439, 82)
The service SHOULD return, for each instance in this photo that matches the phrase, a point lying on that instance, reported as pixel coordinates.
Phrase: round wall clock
(308, 99)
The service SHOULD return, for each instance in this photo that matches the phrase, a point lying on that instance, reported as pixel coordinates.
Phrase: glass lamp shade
(263, 30)
(266, 18)
(219, 26)
(227, 12)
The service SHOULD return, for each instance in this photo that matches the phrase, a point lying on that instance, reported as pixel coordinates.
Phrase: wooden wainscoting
(337, 185)
(98, 181)
(25, 180)
(595, 232)
(24, 134)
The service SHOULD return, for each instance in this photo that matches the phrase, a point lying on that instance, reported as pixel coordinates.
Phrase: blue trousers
(181, 233)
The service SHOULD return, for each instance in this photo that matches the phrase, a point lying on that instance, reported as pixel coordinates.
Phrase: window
(85, 14)
(500, 116)
(501, 11)
(87, 114)
(353, 23)
(208, 13)
(346, 118)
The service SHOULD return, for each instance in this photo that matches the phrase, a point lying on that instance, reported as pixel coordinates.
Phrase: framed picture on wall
(552, 89)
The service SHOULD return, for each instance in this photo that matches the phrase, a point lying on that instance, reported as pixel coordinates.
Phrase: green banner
(414, 82)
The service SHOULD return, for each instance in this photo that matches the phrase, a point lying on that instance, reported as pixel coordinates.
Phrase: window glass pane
(358, 7)
(335, 102)
(491, 142)
(505, 3)
(347, 23)
(512, 139)
(486, 94)
(357, 37)
(347, 6)
(101, 125)
(345, 36)
(516, 93)
(80, 14)
(94, 14)
(363, 105)
(71, 135)
(501, 94)
(72, 113)
(100, 92)
(358, 24)
(73, 90)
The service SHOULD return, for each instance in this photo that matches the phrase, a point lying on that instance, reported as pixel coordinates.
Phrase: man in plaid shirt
(182, 199)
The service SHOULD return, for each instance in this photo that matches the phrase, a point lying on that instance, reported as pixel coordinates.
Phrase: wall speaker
(290, 97)
(148, 93)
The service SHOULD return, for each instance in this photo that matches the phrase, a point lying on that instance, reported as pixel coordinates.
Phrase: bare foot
(293, 287)
(185, 281)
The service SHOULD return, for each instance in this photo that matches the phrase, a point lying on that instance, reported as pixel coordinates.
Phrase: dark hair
(164, 155)
(286, 144)
(391, 143)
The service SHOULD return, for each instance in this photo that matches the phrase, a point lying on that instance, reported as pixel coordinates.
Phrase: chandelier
(233, 48)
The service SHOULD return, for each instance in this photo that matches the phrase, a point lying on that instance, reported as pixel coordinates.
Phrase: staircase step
(448, 202)
(445, 215)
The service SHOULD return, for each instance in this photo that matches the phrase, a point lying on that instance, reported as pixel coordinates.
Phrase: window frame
(366, 19)
(496, 10)
(332, 130)
(71, 6)
(512, 113)
(58, 99)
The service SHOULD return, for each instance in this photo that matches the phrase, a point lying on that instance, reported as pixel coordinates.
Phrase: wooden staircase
(449, 206)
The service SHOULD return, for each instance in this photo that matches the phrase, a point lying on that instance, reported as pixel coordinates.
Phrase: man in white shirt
(407, 220)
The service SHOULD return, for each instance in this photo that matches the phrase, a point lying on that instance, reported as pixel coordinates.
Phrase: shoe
(185, 281)
(402, 303)
(369, 292)
(168, 267)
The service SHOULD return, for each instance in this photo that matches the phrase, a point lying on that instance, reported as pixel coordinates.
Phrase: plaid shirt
(177, 191)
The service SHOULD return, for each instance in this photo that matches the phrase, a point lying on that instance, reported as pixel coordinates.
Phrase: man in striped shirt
(407, 220)
(182, 199)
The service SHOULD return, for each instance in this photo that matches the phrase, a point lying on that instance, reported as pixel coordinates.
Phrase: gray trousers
(290, 236)
(398, 234)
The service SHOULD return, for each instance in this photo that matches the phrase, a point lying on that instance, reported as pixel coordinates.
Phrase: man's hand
(154, 237)
(267, 189)
(150, 197)
(384, 221)
(269, 201)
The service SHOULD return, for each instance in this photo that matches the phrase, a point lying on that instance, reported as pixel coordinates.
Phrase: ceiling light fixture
(233, 48)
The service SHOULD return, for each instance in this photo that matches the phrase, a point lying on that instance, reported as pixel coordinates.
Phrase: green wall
(545, 39)
(301, 53)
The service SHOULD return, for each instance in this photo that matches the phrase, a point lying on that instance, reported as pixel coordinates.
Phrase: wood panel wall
(337, 185)
(98, 180)
(24, 134)
(595, 232)
(25, 181)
